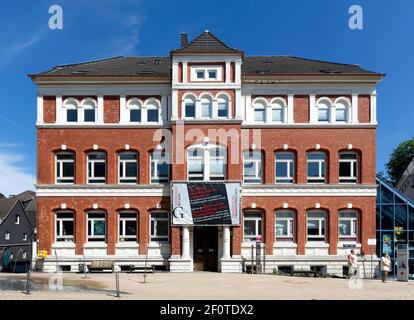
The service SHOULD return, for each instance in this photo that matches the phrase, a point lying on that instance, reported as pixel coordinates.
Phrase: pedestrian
(385, 266)
(352, 264)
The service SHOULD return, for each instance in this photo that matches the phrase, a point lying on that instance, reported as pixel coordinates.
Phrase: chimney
(184, 40)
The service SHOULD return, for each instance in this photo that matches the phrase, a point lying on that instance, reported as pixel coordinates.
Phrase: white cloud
(14, 177)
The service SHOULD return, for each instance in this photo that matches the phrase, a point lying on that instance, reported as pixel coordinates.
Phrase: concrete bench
(101, 265)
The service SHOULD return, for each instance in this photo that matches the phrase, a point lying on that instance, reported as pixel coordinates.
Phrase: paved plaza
(203, 285)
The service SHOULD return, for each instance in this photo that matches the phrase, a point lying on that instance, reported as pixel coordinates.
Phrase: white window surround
(67, 216)
(124, 217)
(255, 159)
(81, 107)
(61, 163)
(92, 218)
(220, 97)
(144, 106)
(353, 163)
(155, 218)
(7, 236)
(332, 107)
(317, 218)
(285, 219)
(195, 69)
(207, 159)
(126, 158)
(98, 159)
(159, 158)
(256, 218)
(270, 107)
(348, 218)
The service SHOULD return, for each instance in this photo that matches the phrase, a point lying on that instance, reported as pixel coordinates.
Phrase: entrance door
(205, 248)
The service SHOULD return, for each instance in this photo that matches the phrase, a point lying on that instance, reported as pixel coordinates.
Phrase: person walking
(385, 266)
(352, 264)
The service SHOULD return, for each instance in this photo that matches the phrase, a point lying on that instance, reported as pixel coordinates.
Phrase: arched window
(252, 225)
(278, 111)
(252, 167)
(189, 107)
(206, 107)
(342, 108)
(153, 111)
(127, 226)
(285, 225)
(222, 107)
(259, 109)
(324, 110)
(284, 167)
(96, 167)
(96, 227)
(65, 167)
(128, 167)
(71, 105)
(89, 110)
(348, 225)
(206, 162)
(316, 226)
(135, 107)
(348, 167)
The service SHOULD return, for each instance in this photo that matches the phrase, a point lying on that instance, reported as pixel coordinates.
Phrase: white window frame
(17, 219)
(24, 254)
(257, 106)
(205, 70)
(92, 173)
(189, 101)
(89, 238)
(290, 225)
(316, 180)
(353, 178)
(322, 221)
(290, 178)
(154, 162)
(354, 223)
(61, 237)
(253, 216)
(24, 236)
(208, 159)
(257, 164)
(122, 236)
(60, 163)
(203, 103)
(223, 101)
(93, 106)
(155, 237)
(123, 163)
(7, 235)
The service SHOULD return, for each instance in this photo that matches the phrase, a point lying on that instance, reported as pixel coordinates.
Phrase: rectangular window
(196, 164)
(200, 74)
(153, 115)
(135, 115)
(65, 168)
(277, 115)
(316, 167)
(72, 115)
(7, 236)
(160, 167)
(284, 225)
(25, 237)
(206, 109)
(24, 254)
(348, 168)
(252, 226)
(89, 115)
(96, 227)
(284, 167)
(340, 115)
(128, 167)
(127, 226)
(222, 110)
(252, 167)
(17, 219)
(96, 167)
(323, 114)
(190, 110)
(260, 115)
(65, 226)
(217, 164)
(212, 74)
(316, 226)
(159, 226)
(348, 226)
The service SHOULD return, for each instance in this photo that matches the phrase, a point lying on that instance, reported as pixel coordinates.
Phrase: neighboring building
(304, 131)
(395, 223)
(406, 183)
(17, 231)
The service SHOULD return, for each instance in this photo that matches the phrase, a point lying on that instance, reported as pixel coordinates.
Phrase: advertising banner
(205, 203)
(402, 262)
(386, 244)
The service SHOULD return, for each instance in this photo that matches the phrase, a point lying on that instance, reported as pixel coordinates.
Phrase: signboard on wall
(386, 244)
(205, 203)
(402, 262)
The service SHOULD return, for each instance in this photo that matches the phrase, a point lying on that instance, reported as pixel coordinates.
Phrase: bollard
(118, 295)
(252, 258)
(28, 282)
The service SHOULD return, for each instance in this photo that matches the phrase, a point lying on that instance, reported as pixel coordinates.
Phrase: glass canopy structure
(395, 223)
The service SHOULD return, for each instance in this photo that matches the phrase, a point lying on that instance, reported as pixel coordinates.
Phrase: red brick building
(298, 134)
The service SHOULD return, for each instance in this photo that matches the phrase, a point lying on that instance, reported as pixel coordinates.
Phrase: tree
(399, 160)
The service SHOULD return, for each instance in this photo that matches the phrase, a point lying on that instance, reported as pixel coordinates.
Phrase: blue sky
(97, 29)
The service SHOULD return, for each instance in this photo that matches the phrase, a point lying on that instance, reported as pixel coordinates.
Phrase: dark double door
(205, 248)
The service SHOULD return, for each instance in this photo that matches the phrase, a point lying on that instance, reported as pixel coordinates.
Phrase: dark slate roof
(5, 206)
(25, 196)
(116, 66)
(207, 42)
(296, 65)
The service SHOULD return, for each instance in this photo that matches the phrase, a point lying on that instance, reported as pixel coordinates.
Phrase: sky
(97, 29)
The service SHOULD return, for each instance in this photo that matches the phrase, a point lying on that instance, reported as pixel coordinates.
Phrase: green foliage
(399, 160)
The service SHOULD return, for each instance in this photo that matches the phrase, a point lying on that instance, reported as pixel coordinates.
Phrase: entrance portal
(206, 249)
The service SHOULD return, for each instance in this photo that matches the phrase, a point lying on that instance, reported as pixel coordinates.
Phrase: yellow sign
(42, 254)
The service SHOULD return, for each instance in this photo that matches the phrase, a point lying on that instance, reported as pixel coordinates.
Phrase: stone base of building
(231, 265)
(179, 264)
